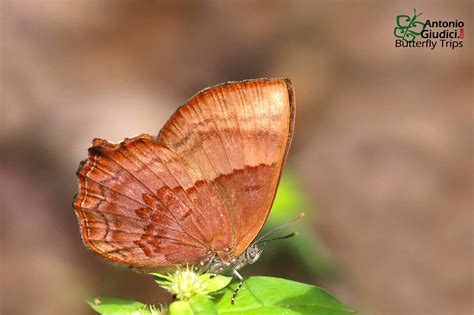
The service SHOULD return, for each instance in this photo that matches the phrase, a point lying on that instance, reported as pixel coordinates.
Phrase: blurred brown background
(383, 142)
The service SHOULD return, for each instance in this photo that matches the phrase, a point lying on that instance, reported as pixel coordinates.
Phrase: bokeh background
(381, 161)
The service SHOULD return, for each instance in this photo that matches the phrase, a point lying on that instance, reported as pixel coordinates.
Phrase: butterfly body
(200, 191)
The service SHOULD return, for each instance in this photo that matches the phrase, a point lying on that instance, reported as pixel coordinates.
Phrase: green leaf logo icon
(408, 28)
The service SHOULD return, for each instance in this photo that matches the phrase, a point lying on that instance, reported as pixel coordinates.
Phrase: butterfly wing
(205, 184)
(235, 138)
(133, 207)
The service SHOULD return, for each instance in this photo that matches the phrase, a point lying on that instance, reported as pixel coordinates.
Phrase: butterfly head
(252, 254)
(223, 263)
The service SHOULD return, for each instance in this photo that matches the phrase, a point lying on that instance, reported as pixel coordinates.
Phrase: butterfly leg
(238, 276)
(205, 266)
(211, 266)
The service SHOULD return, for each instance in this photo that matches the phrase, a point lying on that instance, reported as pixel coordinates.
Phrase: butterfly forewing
(235, 137)
(204, 185)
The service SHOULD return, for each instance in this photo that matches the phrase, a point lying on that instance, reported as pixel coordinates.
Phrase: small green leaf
(268, 296)
(197, 305)
(161, 279)
(215, 282)
(112, 306)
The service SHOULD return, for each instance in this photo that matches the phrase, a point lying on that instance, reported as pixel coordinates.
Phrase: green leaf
(268, 296)
(112, 306)
(215, 282)
(160, 278)
(197, 305)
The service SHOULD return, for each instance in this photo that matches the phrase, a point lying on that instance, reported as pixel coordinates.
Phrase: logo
(408, 28)
(412, 32)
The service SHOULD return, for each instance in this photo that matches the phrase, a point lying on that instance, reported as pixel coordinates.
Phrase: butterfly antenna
(284, 237)
(262, 238)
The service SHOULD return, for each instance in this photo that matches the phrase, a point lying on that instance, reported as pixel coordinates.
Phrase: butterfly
(200, 191)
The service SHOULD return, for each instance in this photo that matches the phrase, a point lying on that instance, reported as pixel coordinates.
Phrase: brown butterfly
(200, 191)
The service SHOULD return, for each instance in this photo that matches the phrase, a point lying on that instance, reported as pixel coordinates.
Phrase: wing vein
(148, 189)
(261, 152)
(140, 234)
(166, 206)
(116, 191)
(205, 180)
(179, 183)
(90, 210)
(226, 197)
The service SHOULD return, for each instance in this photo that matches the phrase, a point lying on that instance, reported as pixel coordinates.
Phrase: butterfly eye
(253, 253)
